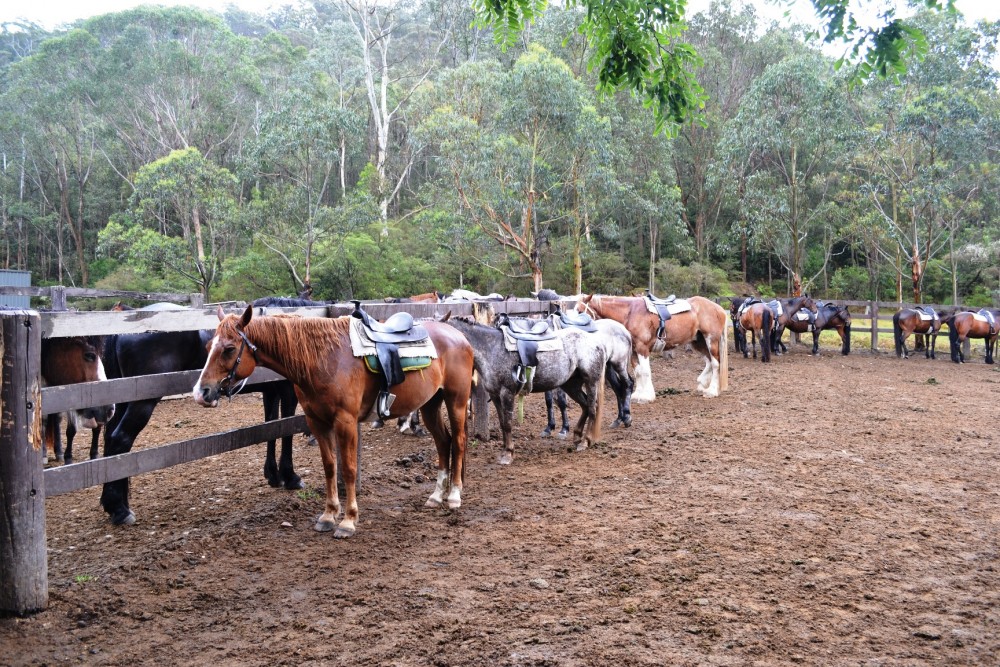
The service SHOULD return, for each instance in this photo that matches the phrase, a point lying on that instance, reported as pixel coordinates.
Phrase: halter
(226, 386)
(590, 311)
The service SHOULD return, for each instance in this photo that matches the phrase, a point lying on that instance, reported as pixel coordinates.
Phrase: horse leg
(902, 342)
(95, 442)
(621, 384)
(931, 342)
(329, 443)
(989, 350)
(70, 436)
(271, 404)
(588, 403)
(504, 404)
(644, 391)
(411, 424)
(551, 425)
(286, 470)
(119, 436)
(449, 463)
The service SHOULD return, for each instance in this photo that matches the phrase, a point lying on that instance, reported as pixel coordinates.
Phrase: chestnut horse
(429, 297)
(965, 325)
(704, 327)
(71, 360)
(916, 320)
(336, 391)
(757, 319)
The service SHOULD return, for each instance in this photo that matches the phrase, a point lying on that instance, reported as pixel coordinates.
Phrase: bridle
(226, 387)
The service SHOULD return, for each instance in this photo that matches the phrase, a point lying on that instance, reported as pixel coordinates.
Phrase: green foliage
(850, 282)
(693, 279)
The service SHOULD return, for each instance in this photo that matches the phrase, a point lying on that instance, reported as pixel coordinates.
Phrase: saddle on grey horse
(527, 334)
(398, 329)
(576, 320)
(661, 309)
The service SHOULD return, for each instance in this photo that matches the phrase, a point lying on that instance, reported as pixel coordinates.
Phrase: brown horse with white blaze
(336, 390)
(704, 326)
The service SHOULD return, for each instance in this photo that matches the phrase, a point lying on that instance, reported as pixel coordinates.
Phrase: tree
(636, 45)
(180, 207)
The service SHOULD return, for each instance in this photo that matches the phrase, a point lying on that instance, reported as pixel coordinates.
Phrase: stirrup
(384, 403)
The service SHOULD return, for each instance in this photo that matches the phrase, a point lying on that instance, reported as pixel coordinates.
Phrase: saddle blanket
(362, 345)
(924, 317)
(980, 318)
(510, 343)
(802, 315)
(678, 306)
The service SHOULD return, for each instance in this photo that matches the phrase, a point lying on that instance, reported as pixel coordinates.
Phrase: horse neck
(294, 347)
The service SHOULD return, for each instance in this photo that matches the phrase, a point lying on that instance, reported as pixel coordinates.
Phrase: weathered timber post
(873, 311)
(58, 297)
(480, 413)
(197, 300)
(24, 584)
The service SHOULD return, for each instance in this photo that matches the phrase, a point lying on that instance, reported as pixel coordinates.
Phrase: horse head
(72, 360)
(228, 366)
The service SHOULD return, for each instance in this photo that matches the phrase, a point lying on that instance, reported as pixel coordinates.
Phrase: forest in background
(372, 149)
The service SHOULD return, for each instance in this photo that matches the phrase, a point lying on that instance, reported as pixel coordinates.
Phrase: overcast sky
(53, 13)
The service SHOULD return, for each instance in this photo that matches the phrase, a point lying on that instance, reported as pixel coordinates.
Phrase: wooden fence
(24, 484)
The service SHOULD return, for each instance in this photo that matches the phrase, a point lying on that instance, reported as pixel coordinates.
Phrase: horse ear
(447, 316)
(247, 314)
(221, 313)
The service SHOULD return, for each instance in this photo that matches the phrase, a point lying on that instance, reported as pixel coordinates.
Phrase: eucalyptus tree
(398, 54)
(510, 142)
(638, 45)
(177, 218)
(789, 132)
(59, 136)
(172, 78)
(927, 161)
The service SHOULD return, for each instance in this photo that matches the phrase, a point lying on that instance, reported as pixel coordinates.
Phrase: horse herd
(337, 390)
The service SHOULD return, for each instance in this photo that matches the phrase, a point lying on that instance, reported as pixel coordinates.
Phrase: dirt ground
(824, 511)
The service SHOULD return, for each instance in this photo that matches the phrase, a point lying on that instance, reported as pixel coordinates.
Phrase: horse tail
(897, 333)
(847, 339)
(766, 329)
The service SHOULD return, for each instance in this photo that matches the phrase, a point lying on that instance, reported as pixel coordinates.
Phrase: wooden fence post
(196, 299)
(24, 584)
(57, 294)
(873, 312)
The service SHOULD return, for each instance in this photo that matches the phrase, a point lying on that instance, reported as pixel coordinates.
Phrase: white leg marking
(439, 487)
(644, 391)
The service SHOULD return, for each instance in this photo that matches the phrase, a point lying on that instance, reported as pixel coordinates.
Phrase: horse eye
(89, 357)
(229, 350)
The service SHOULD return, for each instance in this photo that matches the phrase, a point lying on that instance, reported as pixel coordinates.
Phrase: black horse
(151, 353)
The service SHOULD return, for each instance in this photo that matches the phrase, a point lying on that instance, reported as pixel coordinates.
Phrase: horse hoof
(506, 459)
(581, 447)
(312, 441)
(432, 503)
(547, 433)
(324, 526)
(420, 432)
(343, 533)
(123, 517)
(454, 504)
(563, 434)
(294, 484)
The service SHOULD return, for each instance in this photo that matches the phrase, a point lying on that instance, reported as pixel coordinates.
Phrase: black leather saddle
(661, 310)
(576, 320)
(398, 329)
(527, 334)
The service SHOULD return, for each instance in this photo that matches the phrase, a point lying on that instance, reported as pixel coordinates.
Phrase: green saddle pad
(408, 363)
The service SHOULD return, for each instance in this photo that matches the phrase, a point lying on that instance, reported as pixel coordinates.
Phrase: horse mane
(301, 339)
(286, 302)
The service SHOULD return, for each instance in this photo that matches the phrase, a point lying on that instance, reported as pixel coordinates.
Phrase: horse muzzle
(205, 396)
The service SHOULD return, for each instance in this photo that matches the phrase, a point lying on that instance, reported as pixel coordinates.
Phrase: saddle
(746, 304)
(398, 329)
(576, 320)
(661, 310)
(776, 308)
(527, 336)
(988, 314)
(927, 313)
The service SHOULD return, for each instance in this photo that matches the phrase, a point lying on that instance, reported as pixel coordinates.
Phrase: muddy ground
(824, 511)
